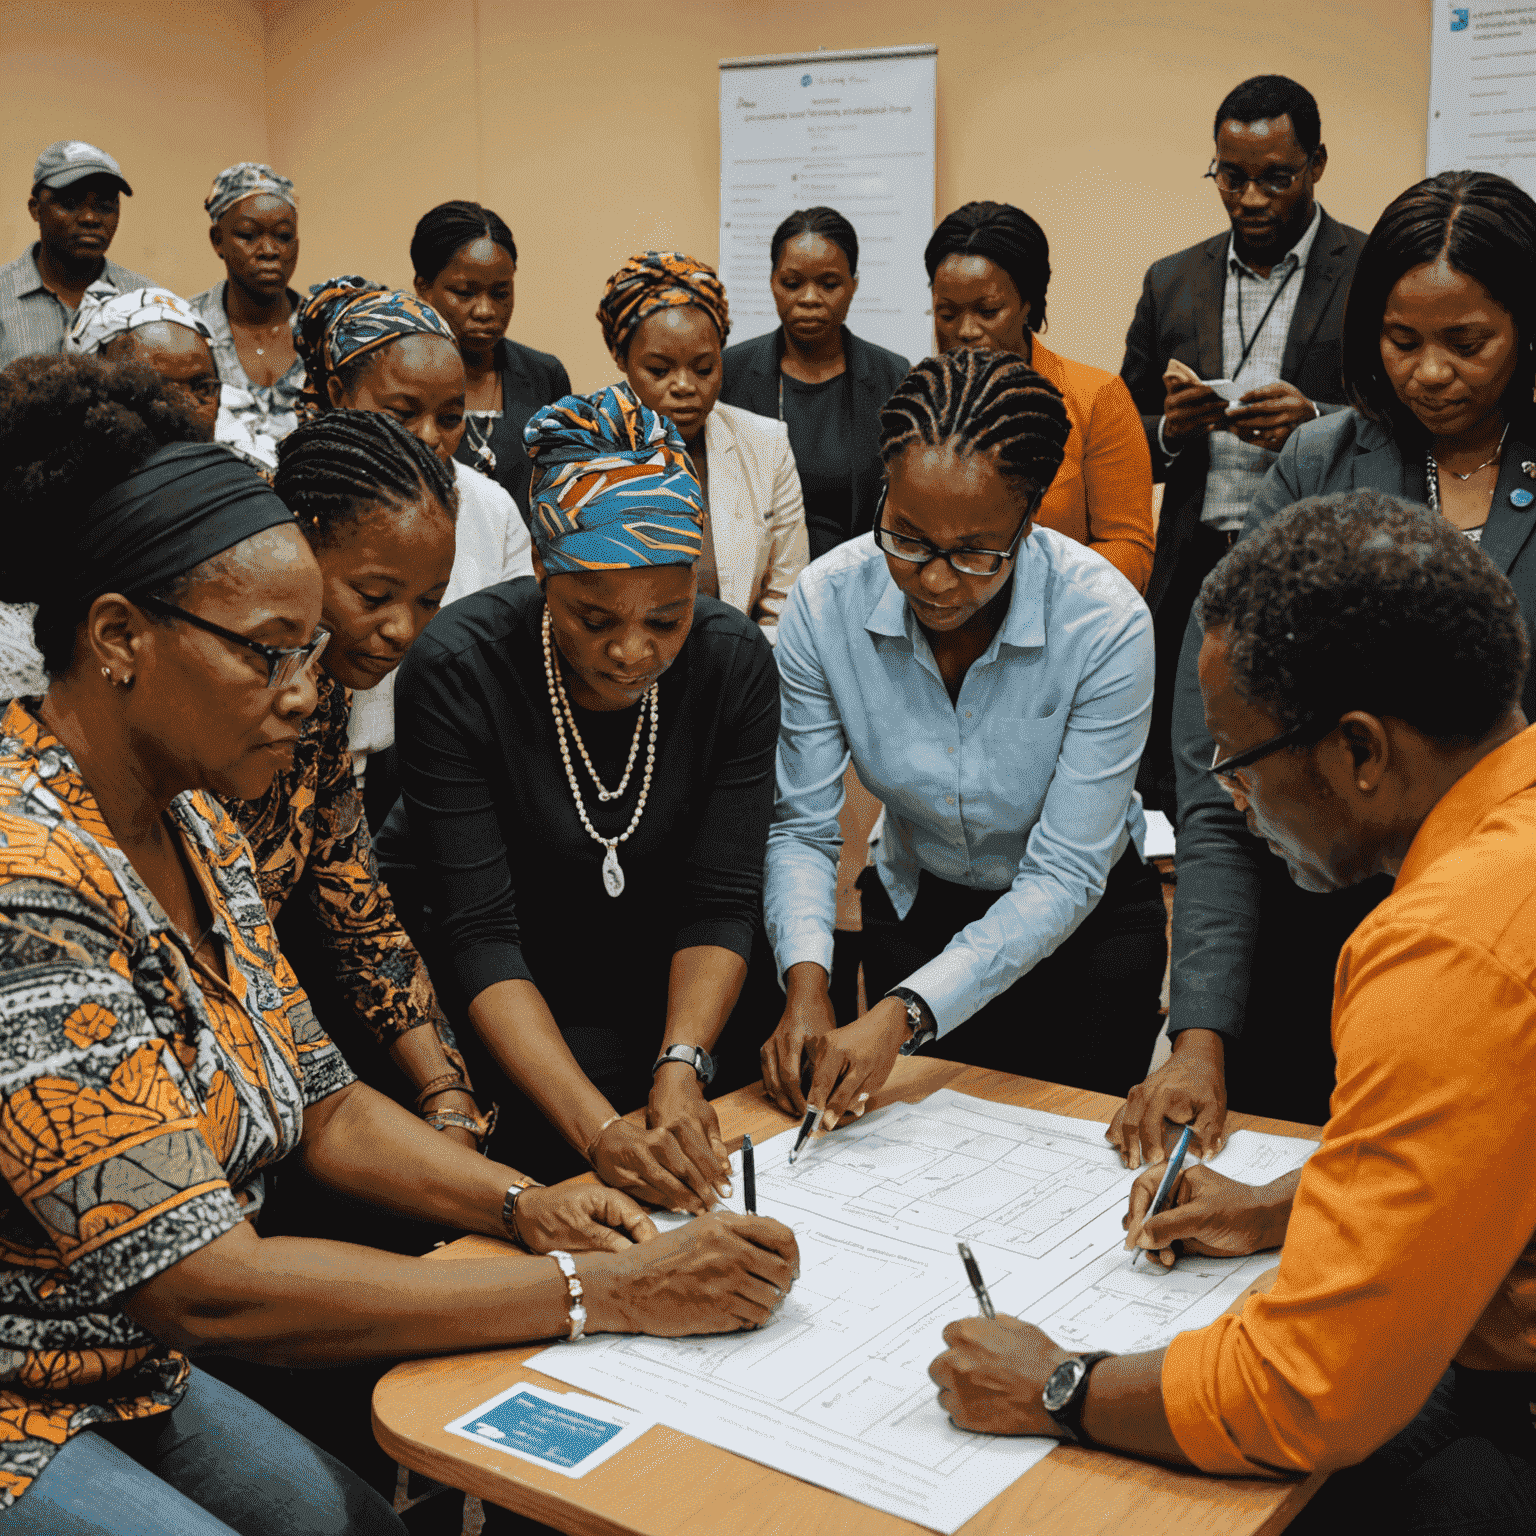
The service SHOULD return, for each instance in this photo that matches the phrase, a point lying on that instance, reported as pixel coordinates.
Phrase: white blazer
(756, 515)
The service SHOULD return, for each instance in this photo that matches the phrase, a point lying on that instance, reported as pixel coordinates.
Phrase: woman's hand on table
(580, 1216)
(1208, 1213)
(1189, 1088)
(854, 1061)
(807, 1017)
(716, 1275)
(678, 1160)
(992, 1376)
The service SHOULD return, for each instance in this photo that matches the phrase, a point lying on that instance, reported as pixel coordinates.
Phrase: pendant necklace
(1432, 470)
(560, 708)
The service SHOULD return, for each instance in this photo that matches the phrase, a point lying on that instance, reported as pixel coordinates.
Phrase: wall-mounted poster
(1482, 90)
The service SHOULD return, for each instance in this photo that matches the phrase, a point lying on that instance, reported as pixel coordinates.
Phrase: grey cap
(72, 160)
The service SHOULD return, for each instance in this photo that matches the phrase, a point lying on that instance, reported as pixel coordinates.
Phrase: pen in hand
(973, 1274)
(1169, 1179)
(748, 1176)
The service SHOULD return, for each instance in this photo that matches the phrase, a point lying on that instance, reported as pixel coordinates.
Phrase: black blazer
(529, 379)
(751, 381)
(1222, 916)
(1179, 315)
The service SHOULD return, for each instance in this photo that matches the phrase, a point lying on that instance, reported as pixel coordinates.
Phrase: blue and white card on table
(567, 1432)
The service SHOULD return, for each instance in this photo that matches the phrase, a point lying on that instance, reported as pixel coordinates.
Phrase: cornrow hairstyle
(826, 222)
(70, 429)
(1005, 235)
(975, 402)
(442, 232)
(1271, 96)
(1484, 226)
(335, 470)
(1360, 600)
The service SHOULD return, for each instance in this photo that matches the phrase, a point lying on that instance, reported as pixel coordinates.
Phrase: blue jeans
(215, 1464)
(1465, 1466)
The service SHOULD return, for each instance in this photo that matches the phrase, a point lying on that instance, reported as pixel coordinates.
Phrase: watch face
(1061, 1384)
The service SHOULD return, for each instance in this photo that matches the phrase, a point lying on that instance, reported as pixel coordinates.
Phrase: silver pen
(973, 1274)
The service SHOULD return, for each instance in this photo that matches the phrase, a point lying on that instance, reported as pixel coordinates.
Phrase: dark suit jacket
(1179, 315)
(751, 381)
(529, 379)
(1248, 945)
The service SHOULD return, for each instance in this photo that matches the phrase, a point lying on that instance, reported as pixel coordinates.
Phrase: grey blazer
(1217, 911)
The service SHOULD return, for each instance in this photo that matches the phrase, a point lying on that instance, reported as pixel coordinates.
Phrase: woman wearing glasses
(1439, 352)
(990, 682)
(159, 1053)
(988, 268)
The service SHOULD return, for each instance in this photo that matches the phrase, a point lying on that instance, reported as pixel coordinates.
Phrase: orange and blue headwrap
(653, 281)
(345, 319)
(613, 488)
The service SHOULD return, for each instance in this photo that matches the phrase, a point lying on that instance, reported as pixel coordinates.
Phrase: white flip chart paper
(835, 1389)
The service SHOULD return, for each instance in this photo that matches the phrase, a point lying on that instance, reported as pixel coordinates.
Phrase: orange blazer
(1102, 494)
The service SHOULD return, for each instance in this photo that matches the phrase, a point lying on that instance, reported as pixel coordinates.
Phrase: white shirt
(1238, 467)
(491, 544)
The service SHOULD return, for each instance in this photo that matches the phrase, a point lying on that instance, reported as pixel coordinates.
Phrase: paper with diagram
(835, 1389)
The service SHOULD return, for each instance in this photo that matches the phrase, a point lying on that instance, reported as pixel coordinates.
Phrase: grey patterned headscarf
(246, 180)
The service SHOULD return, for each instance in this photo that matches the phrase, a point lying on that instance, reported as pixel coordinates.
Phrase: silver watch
(918, 1033)
(696, 1057)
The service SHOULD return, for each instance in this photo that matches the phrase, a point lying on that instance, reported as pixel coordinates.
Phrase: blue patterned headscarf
(348, 317)
(613, 488)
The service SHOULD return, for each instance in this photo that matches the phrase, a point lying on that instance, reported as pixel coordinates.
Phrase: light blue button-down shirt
(1022, 786)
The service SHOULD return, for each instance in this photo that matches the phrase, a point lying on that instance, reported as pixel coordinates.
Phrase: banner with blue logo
(1482, 90)
(853, 131)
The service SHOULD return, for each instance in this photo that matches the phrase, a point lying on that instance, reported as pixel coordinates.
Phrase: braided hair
(335, 470)
(444, 231)
(823, 221)
(975, 402)
(1005, 235)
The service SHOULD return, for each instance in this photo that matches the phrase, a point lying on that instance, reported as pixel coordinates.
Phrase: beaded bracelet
(577, 1312)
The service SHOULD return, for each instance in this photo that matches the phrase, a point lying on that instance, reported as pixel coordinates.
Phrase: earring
(117, 682)
(106, 672)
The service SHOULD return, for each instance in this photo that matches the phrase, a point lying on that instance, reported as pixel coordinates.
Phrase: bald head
(177, 354)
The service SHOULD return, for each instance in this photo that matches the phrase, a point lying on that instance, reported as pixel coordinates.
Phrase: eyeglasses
(284, 663)
(1276, 179)
(968, 562)
(1225, 772)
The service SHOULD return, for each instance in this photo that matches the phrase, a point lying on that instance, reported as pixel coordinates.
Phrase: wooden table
(669, 1484)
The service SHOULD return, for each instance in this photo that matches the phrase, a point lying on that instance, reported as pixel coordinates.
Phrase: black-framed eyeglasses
(1230, 181)
(1225, 772)
(968, 562)
(284, 663)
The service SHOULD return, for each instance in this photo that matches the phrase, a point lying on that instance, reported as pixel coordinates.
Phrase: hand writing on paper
(1208, 1213)
(718, 1274)
(1190, 1087)
(577, 1215)
(991, 1376)
(807, 1016)
(853, 1062)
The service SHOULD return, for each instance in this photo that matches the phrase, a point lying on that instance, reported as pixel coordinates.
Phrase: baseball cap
(73, 159)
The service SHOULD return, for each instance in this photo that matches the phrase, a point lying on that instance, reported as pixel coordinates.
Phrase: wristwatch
(696, 1058)
(1066, 1390)
(919, 1033)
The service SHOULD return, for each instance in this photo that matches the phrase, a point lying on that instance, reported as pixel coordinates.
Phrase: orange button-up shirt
(1410, 1241)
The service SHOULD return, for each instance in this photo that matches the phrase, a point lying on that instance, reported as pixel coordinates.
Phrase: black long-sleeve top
(486, 854)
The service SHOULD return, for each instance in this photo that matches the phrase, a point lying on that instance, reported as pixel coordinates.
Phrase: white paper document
(835, 1389)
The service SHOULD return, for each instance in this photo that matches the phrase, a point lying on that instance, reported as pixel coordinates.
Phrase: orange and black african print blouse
(139, 1097)
(311, 841)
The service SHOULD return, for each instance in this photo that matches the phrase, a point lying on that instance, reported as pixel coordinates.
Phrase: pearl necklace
(560, 708)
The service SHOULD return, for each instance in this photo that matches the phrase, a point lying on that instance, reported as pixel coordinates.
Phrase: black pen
(809, 1124)
(973, 1274)
(749, 1176)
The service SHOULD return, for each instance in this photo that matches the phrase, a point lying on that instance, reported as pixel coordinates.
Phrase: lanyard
(1246, 344)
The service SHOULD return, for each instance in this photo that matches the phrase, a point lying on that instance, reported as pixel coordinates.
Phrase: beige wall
(593, 129)
(176, 90)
